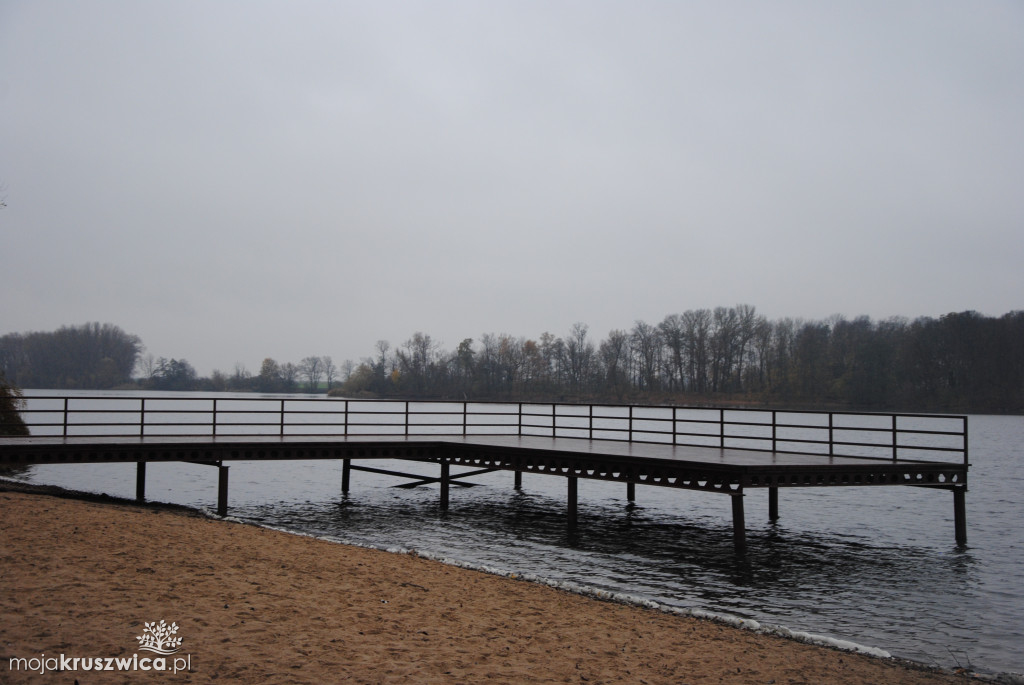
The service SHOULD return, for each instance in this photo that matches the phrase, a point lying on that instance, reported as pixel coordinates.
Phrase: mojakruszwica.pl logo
(157, 638)
(160, 638)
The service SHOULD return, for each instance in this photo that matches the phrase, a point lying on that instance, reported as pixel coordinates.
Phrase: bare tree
(510, 360)
(614, 355)
(416, 360)
(673, 337)
(551, 349)
(347, 368)
(380, 364)
(534, 366)
(487, 369)
(147, 367)
(311, 368)
(289, 375)
(329, 369)
(645, 342)
(463, 364)
(241, 379)
(747, 327)
(697, 331)
(579, 356)
(270, 379)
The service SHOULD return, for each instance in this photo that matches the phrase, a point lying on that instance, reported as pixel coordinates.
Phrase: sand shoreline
(87, 590)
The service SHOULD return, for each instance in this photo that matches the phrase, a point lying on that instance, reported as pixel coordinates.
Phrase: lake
(877, 566)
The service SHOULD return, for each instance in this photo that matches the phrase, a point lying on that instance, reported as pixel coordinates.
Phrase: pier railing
(890, 436)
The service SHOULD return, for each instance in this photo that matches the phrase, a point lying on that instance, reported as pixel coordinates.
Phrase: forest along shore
(84, 578)
(961, 363)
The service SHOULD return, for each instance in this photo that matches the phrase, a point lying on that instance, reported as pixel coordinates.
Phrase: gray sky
(236, 180)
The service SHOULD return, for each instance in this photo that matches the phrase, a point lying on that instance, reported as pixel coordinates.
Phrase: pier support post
(519, 480)
(445, 481)
(739, 528)
(140, 481)
(960, 514)
(346, 475)
(773, 503)
(222, 489)
(572, 498)
(630, 492)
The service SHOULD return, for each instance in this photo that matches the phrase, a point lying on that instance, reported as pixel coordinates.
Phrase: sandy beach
(82, 578)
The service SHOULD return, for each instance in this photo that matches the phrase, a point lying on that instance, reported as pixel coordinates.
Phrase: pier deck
(492, 441)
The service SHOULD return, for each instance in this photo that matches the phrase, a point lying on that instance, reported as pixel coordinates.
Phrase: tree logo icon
(159, 638)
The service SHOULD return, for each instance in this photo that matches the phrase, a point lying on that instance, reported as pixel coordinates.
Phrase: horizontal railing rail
(889, 436)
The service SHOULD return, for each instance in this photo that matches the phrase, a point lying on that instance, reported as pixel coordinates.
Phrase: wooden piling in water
(960, 514)
(140, 481)
(572, 500)
(222, 489)
(739, 526)
(445, 480)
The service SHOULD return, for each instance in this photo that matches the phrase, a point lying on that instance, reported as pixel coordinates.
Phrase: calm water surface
(877, 566)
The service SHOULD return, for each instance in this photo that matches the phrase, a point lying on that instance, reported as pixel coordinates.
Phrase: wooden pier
(725, 451)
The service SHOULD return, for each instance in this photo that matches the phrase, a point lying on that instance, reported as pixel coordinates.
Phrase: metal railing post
(831, 447)
(346, 418)
(895, 438)
(142, 416)
(281, 424)
(554, 421)
(675, 424)
(774, 429)
(215, 416)
(721, 427)
(964, 419)
(631, 423)
(465, 419)
(407, 418)
(590, 422)
(65, 417)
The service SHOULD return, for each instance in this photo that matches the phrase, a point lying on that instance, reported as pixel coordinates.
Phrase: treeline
(959, 362)
(312, 374)
(97, 356)
(91, 356)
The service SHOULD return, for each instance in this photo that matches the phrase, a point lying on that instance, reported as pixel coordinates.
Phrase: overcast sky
(236, 180)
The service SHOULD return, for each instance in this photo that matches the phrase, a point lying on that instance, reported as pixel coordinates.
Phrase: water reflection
(692, 555)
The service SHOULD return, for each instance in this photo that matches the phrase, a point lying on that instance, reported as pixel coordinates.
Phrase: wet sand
(81, 578)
